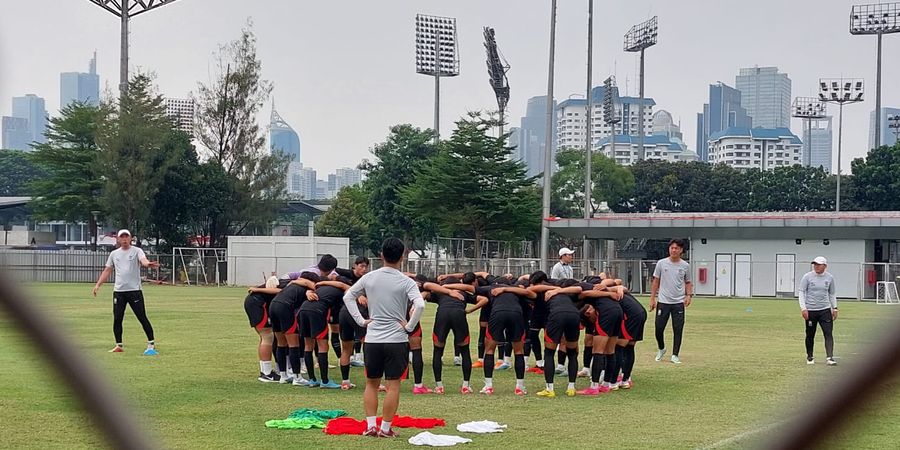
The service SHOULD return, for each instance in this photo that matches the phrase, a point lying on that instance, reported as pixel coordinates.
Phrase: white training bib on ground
(887, 293)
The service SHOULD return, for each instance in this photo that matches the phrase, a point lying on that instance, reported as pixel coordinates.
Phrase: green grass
(743, 368)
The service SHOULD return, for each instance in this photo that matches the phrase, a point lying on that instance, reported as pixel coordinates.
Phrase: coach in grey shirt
(818, 306)
(563, 269)
(386, 349)
(672, 283)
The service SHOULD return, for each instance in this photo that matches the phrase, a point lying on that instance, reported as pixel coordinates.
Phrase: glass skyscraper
(81, 87)
(887, 133)
(766, 95)
(723, 111)
(283, 138)
(32, 108)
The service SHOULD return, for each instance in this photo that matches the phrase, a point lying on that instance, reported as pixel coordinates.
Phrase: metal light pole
(840, 91)
(877, 19)
(94, 231)
(125, 10)
(588, 138)
(497, 68)
(639, 38)
(808, 108)
(437, 55)
(548, 145)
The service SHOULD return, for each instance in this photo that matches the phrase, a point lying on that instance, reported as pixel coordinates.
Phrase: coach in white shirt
(563, 268)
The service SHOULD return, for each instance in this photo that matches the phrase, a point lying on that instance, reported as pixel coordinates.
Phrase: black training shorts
(633, 327)
(506, 323)
(609, 319)
(257, 311)
(386, 360)
(313, 324)
(447, 321)
(283, 318)
(562, 325)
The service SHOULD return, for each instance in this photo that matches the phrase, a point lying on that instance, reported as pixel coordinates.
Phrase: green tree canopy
(16, 172)
(876, 180)
(349, 216)
(610, 183)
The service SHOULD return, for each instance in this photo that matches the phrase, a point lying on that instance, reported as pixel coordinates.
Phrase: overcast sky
(344, 70)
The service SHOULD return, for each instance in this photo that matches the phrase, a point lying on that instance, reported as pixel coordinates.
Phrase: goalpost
(192, 264)
(886, 293)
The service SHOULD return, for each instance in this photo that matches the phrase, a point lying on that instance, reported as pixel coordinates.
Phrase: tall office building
(888, 134)
(755, 148)
(571, 116)
(16, 135)
(32, 108)
(79, 86)
(766, 95)
(345, 176)
(282, 137)
(301, 181)
(820, 141)
(532, 136)
(182, 112)
(723, 111)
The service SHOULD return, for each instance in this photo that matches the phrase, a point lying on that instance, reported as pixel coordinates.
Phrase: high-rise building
(571, 117)
(888, 136)
(345, 176)
(532, 136)
(32, 108)
(283, 138)
(16, 135)
(79, 86)
(766, 95)
(182, 112)
(656, 147)
(821, 141)
(755, 148)
(301, 181)
(723, 111)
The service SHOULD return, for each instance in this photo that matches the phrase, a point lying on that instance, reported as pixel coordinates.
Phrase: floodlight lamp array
(437, 51)
(841, 90)
(808, 107)
(881, 18)
(642, 35)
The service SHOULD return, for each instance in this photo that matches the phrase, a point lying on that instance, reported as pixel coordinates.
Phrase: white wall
(249, 257)
(844, 259)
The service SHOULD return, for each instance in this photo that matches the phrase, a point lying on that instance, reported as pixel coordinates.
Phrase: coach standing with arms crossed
(672, 281)
(386, 350)
(818, 306)
(127, 261)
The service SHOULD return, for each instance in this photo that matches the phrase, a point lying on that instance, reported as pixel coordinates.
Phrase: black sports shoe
(270, 378)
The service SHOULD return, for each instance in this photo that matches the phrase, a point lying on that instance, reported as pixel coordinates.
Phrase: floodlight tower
(894, 125)
(125, 10)
(639, 38)
(808, 108)
(588, 144)
(437, 54)
(840, 91)
(609, 111)
(497, 68)
(877, 19)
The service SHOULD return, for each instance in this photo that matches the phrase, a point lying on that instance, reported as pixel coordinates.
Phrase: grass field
(743, 369)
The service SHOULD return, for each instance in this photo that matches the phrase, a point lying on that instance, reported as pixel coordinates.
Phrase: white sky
(344, 69)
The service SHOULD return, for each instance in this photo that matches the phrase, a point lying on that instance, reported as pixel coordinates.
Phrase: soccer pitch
(744, 370)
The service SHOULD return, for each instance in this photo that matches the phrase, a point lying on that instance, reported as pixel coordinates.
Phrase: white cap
(566, 251)
(123, 231)
(820, 260)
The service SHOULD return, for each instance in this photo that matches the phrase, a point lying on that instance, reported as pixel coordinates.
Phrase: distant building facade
(723, 111)
(766, 95)
(755, 148)
(80, 87)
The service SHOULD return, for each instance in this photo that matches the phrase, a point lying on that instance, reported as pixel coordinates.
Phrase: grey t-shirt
(818, 290)
(672, 278)
(561, 271)
(128, 268)
(389, 292)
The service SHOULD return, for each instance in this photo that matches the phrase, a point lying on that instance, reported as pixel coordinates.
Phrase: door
(742, 275)
(784, 273)
(723, 275)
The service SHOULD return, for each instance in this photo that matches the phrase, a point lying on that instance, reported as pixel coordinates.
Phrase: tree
(348, 216)
(790, 188)
(73, 182)
(134, 159)
(610, 183)
(16, 172)
(398, 160)
(876, 180)
(227, 128)
(471, 186)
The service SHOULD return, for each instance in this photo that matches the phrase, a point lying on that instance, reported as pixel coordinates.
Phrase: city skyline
(380, 39)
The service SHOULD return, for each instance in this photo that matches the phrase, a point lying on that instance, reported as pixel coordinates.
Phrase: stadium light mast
(808, 108)
(639, 38)
(611, 119)
(125, 10)
(497, 68)
(437, 55)
(840, 91)
(588, 144)
(894, 125)
(548, 146)
(877, 19)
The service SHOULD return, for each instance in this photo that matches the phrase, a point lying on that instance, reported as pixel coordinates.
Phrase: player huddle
(295, 314)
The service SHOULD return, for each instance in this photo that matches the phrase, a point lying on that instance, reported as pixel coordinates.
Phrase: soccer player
(360, 267)
(256, 305)
(451, 316)
(607, 316)
(562, 328)
(283, 314)
(351, 334)
(389, 293)
(818, 306)
(506, 320)
(314, 319)
(672, 282)
(127, 261)
(635, 317)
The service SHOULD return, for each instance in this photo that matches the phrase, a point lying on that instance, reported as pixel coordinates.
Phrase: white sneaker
(303, 369)
(810, 361)
(300, 381)
(457, 360)
(560, 369)
(539, 364)
(584, 372)
(660, 354)
(676, 359)
(830, 362)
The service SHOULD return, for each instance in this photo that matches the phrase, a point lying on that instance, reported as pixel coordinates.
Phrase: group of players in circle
(294, 314)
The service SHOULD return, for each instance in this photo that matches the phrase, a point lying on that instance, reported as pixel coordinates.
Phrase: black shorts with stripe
(609, 318)
(256, 306)
(386, 360)
(350, 331)
(313, 324)
(283, 318)
(506, 326)
(562, 325)
(447, 321)
(633, 327)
